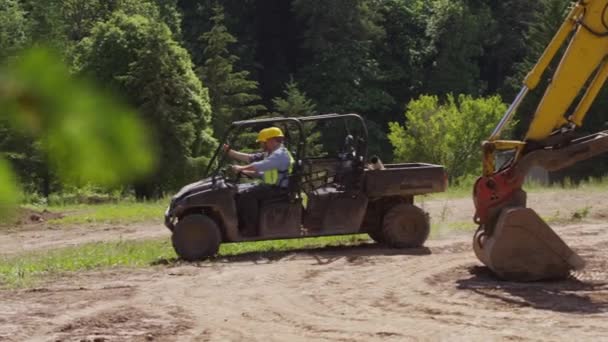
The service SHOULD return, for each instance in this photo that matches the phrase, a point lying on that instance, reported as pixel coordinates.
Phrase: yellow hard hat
(269, 133)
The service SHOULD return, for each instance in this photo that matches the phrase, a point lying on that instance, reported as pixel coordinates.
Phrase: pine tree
(294, 103)
(233, 96)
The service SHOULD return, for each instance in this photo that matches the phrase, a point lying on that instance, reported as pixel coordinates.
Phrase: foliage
(121, 212)
(138, 57)
(342, 72)
(8, 188)
(14, 28)
(66, 22)
(295, 103)
(401, 54)
(447, 132)
(371, 57)
(46, 22)
(232, 93)
(457, 33)
(81, 131)
(507, 43)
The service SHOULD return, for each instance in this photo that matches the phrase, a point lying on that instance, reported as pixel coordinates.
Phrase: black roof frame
(238, 126)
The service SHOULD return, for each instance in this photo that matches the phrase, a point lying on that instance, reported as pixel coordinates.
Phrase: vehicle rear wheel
(405, 226)
(196, 237)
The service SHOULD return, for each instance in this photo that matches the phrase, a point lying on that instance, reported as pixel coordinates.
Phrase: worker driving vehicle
(273, 166)
(300, 189)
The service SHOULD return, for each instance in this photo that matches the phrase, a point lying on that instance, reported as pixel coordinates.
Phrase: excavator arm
(512, 240)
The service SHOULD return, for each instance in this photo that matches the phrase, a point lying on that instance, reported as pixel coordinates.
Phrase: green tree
(233, 95)
(138, 57)
(83, 15)
(294, 103)
(14, 28)
(401, 53)
(456, 33)
(26, 157)
(344, 66)
(447, 133)
(47, 23)
(342, 71)
(506, 44)
(63, 23)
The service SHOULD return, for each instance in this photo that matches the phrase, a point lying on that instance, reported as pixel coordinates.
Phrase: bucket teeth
(523, 247)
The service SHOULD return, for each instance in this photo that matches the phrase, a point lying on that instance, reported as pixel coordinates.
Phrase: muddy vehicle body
(331, 192)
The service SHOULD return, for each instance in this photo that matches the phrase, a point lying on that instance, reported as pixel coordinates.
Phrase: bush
(447, 132)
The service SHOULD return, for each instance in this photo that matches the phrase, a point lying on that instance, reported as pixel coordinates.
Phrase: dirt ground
(364, 292)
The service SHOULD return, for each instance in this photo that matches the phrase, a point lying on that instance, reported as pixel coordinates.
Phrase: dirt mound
(25, 216)
(120, 324)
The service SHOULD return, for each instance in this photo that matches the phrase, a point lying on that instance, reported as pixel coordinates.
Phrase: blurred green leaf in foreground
(87, 136)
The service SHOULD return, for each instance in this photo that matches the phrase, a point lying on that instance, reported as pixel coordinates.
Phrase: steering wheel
(241, 174)
(227, 174)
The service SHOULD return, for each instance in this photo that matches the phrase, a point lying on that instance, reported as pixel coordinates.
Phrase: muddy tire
(405, 226)
(196, 237)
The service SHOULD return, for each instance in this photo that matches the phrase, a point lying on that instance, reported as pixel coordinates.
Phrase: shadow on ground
(568, 296)
(356, 254)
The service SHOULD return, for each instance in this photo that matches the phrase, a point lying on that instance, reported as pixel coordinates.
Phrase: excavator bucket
(523, 247)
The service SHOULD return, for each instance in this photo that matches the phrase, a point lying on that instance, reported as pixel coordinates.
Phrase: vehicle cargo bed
(405, 179)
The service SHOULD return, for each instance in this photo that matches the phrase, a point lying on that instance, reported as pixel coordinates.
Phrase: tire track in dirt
(380, 296)
(37, 313)
(352, 293)
(44, 237)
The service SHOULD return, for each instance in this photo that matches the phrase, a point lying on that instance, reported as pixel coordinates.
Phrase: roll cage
(296, 144)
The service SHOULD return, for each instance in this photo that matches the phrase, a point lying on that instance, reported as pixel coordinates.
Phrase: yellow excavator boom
(585, 55)
(512, 240)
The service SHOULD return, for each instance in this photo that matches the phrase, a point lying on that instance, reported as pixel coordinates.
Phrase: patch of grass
(581, 213)
(438, 229)
(575, 216)
(123, 212)
(27, 269)
(8, 220)
(231, 249)
(555, 218)
(464, 188)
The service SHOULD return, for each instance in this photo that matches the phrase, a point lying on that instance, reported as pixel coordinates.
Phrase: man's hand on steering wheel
(237, 169)
(242, 171)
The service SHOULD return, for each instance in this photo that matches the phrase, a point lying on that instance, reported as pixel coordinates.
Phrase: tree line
(190, 67)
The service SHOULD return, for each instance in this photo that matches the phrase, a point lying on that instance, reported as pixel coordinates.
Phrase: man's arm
(273, 161)
(236, 155)
(250, 168)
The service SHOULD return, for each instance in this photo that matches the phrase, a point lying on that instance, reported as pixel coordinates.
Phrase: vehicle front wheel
(196, 237)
